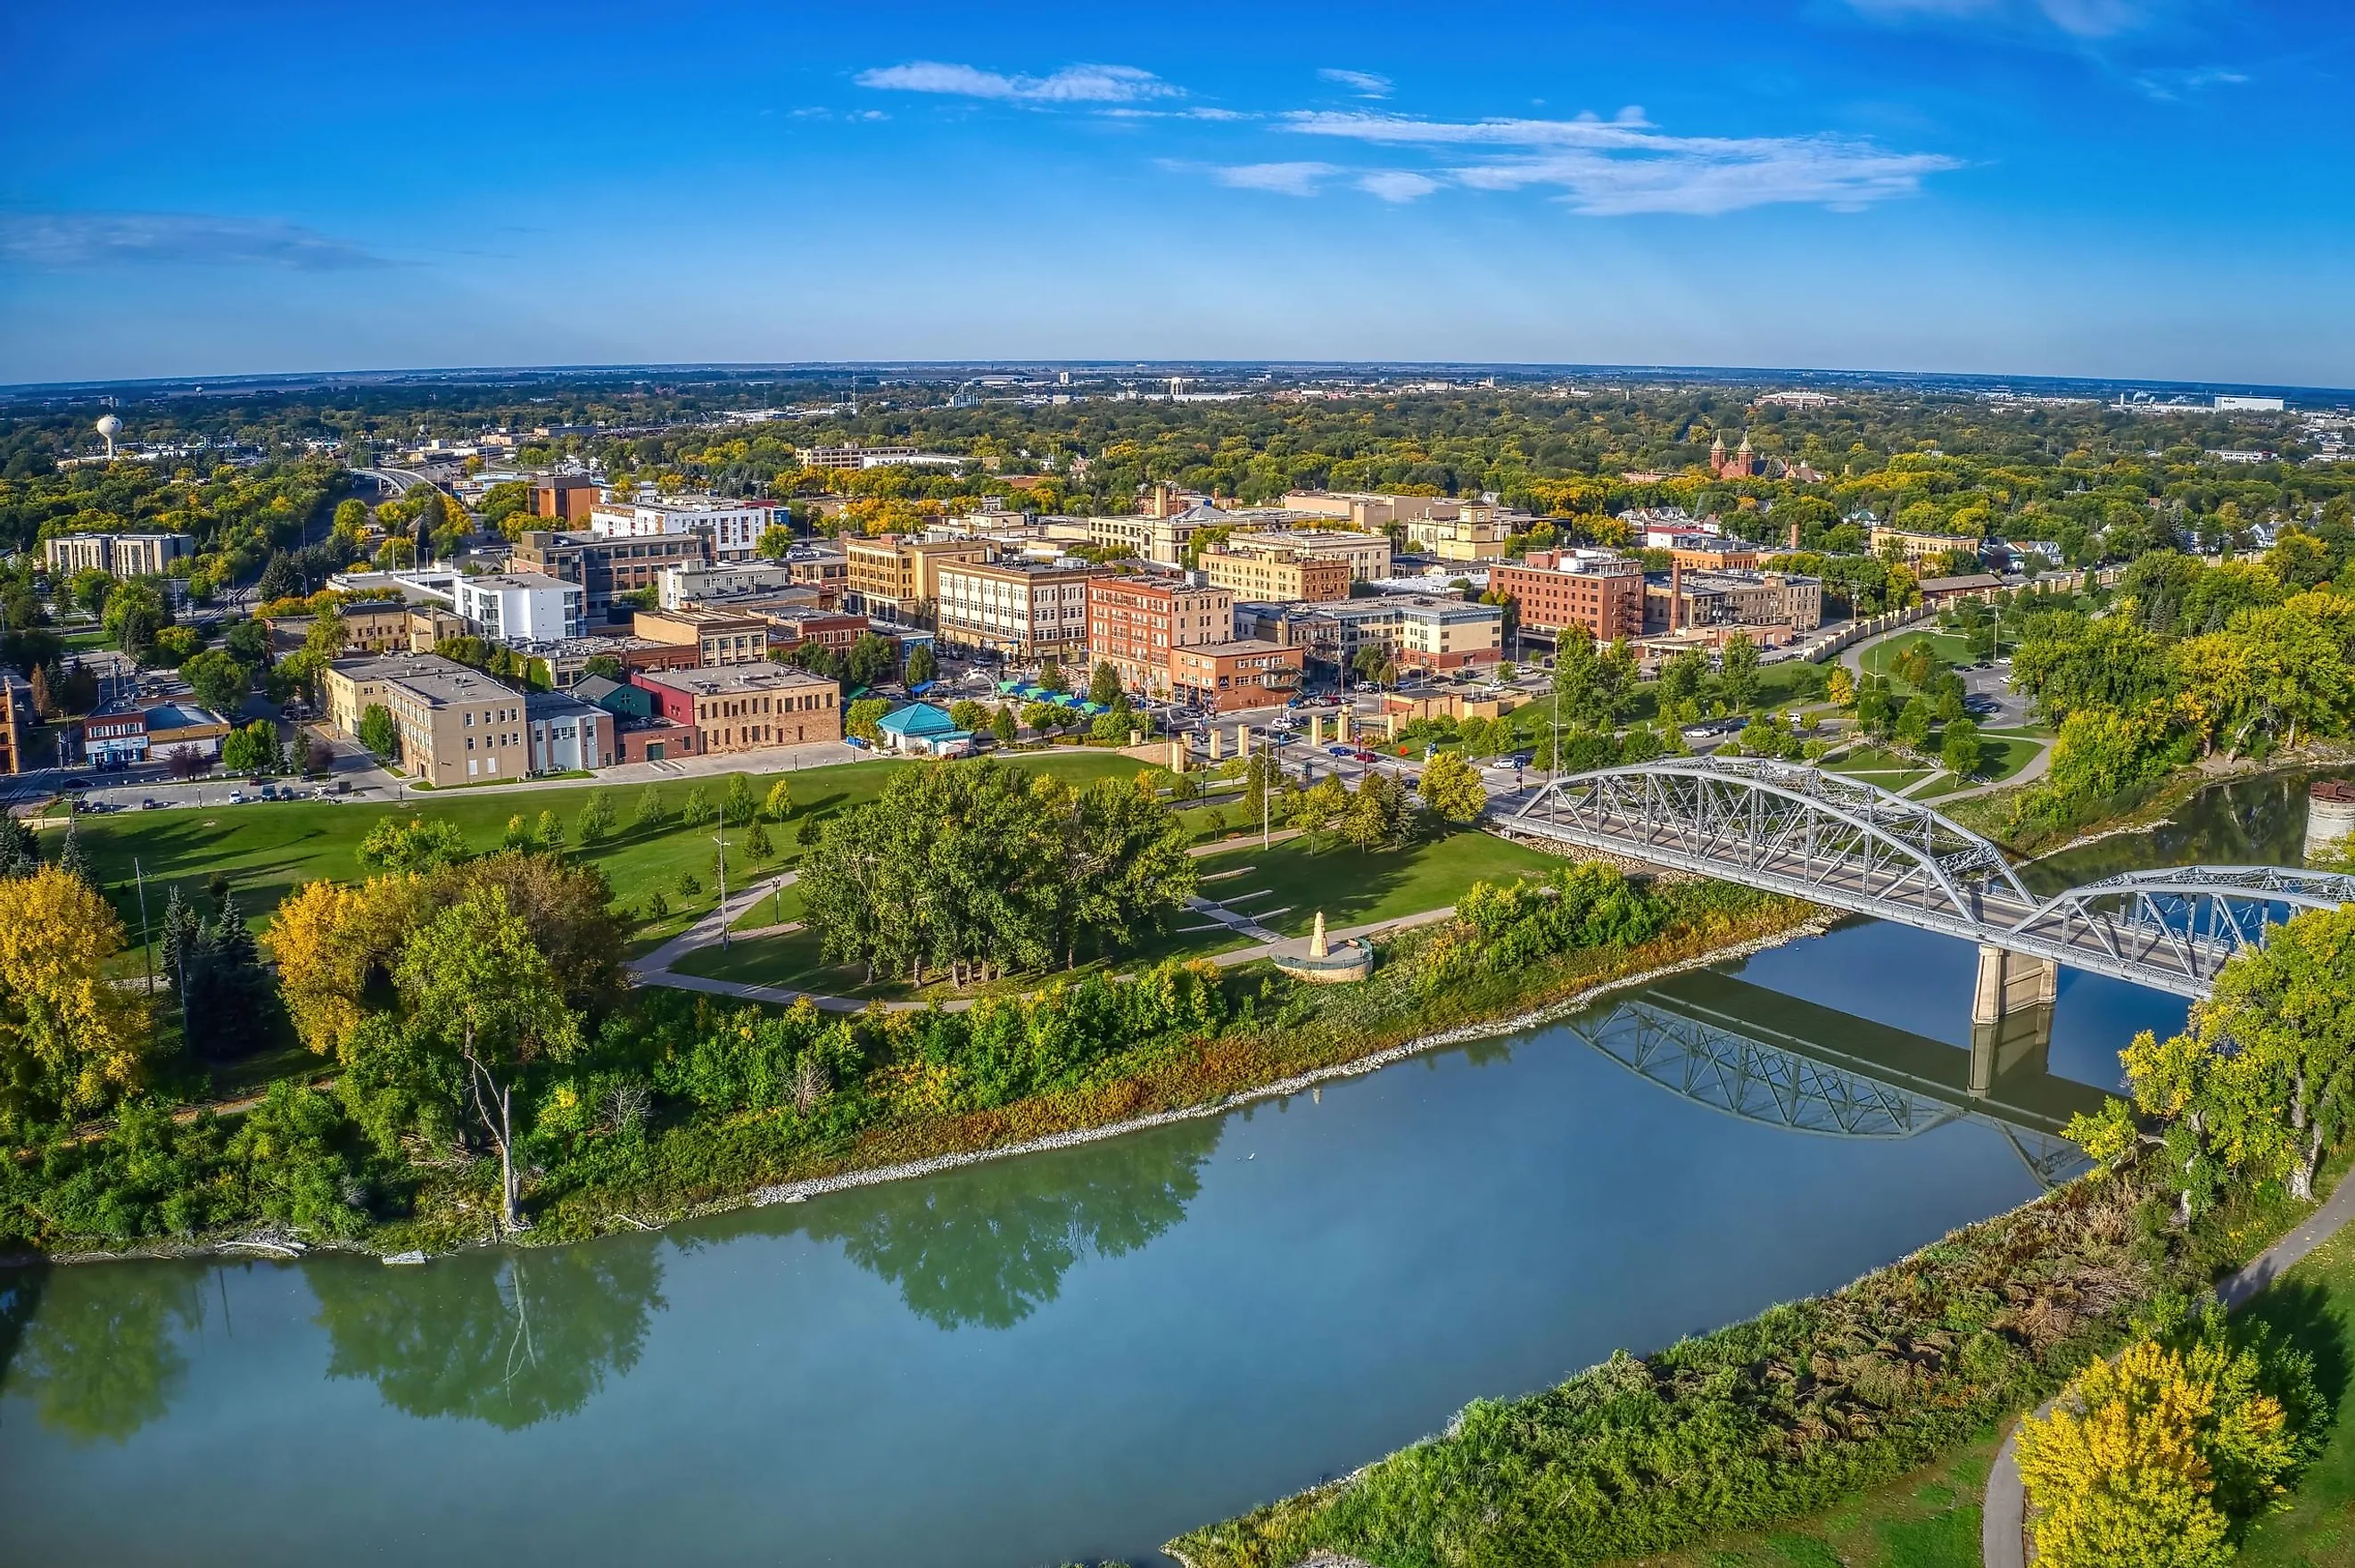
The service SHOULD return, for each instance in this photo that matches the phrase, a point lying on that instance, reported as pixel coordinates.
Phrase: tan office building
(718, 636)
(889, 574)
(1022, 608)
(457, 725)
(1249, 571)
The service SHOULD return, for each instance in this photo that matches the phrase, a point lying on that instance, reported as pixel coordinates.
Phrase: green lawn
(1352, 889)
(1784, 685)
(2007, 756)
(1885, 768)
(267, 849)
(2314, 1304)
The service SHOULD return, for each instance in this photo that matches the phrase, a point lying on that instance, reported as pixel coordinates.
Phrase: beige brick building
(745, 707)
(457, 725)
(1248, 568)
(1022, 608)
(718, 636)
(898, 576)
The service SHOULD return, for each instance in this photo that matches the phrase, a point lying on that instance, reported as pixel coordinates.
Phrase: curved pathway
(2003, 1519)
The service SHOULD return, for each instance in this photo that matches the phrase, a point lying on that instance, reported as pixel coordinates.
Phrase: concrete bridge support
(2011, 1013)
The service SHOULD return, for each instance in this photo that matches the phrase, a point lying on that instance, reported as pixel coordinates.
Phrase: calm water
(1068, 1356)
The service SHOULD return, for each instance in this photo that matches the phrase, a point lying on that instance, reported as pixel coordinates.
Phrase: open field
(1880, 657)
(268, 849)
(2313, 1306)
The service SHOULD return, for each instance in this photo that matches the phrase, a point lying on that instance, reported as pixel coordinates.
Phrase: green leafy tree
(484, 1007)
(253, 749)
(780, 804)
(922, 665)
(1961, 749)
(1050, 674)
(1103, 685)
(742, 800)
(1738, 671)
(650, 813)
(864, 717)
(870, 660)
(697, 809)
(1002, 726)
(378, 732)
(218, 681)
(1913, 730)
(595, 823)
(757, 843)
(1451, 788)
(412, 844)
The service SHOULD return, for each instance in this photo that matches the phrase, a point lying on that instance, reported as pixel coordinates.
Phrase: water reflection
(988, 1246)
(511, 1339)
(1761, 1055)
(97, 1362)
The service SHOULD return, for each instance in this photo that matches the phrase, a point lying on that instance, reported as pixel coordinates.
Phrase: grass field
(1352, 889)
(1879, 658)
(2015, 754)
(1927, 1520)
(2314, 1304)
(268, 849)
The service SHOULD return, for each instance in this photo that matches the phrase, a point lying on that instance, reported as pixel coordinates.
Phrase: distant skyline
(2107, 188)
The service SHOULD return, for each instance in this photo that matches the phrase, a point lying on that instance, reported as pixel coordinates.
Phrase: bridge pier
(2011, 1013)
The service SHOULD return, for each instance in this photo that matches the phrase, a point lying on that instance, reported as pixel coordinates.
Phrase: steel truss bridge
(1761, 1057)
(1850, 845)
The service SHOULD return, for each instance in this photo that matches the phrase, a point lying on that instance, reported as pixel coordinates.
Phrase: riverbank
(1341, 1031)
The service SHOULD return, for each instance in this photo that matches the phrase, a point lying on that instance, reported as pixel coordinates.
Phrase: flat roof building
(1227, 677)
(606, 569)
(718, 636)
(119, 555)
(1599, 590)
(745, 707)
(902, 577)
(456, 724)
(1134, 620)
(735, 525)
(1246, 570)
(520, 607)
(1022, 608)
(1438, 633)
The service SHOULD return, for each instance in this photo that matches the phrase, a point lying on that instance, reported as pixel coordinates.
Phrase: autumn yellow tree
(2148, 1459)
(70, 1040)
(330, 940)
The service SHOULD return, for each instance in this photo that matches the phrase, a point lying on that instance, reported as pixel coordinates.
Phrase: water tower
(109, 427)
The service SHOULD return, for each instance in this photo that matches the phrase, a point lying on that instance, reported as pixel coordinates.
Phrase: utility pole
(146, 948)
(719, 837)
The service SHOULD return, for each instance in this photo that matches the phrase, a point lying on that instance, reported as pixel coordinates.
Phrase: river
(1072, 1356)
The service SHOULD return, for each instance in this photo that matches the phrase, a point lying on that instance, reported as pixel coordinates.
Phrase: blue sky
(2128, 188)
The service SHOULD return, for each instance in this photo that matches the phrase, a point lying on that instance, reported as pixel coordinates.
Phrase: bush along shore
(616, 1108)
(1787, 1415)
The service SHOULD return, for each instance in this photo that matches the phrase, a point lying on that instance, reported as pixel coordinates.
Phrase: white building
(857, 456)
(521, 607)
(685, 585)
(735, 527)
(2248, 405)
(566, 734)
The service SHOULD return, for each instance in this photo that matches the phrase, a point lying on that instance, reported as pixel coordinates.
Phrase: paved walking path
(2003, 1521)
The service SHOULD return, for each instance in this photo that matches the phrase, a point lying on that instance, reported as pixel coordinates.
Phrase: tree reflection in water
(510, 1338)
(96, 1362)
(989, 1245)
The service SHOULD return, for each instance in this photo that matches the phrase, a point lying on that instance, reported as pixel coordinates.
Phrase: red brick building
(1224, 677)
(1134, 620)
(1598, 590)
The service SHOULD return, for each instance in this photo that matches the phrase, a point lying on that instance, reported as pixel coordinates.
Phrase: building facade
(564, 497)
(1249, 571)
(1133, 622)
(565, 734)
(18, 722)
(1227, 676)
(1438, 635)
(120, 555)
(521, 607)
(718, 636)
(1553, 589)
(745, 708)
(456, 724)
(605, 570)
(1368, 555)
(1022, 609)
(1691, 601)
(735, 527)
(902, 577)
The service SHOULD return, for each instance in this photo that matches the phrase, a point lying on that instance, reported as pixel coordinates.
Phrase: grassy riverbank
(1850, 1428)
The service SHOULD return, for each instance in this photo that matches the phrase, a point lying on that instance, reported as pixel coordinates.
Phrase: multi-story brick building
(718, 636)
(457, 724)
(607, 568)
(888, 575)
(1368, 554)
(1134, 620)
(1599, 590)
(735, 525)
(745, 707)
(1022, 608)
(1686, 600)
(564, 497)
(1225, 676)
(1248, 570)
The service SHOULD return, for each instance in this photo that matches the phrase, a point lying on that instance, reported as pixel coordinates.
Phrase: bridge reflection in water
(1774, 1059)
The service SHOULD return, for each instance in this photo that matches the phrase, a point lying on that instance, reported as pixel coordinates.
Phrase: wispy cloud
(2078, 18)
(1301, 178)
(78, 239)
(2169, 86)
(1626, 166)
(1072, 84)
(1365, 83)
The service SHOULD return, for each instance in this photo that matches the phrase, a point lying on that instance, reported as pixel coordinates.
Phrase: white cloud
(1625, 165)
(1367, 83)
(1072, 84)
(1396, 184)
(76, 240)
(2078, 18)
(1284, 179)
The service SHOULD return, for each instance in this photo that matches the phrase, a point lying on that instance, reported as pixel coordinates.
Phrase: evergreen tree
(183, 930)
(19, 856)
(70, 858)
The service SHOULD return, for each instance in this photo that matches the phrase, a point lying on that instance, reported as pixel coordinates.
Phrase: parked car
(1340, 750)
(1520, 759)
(237, 797)
(1362, 755)
(77, 782)
(150, 804)
(270, 791)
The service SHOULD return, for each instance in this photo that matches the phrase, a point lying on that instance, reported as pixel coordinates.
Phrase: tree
(1912, 732)
(1103, 685)
(757, 843)
(2148, 1459)
(253, 749)
(780, 804)
(649, 814)
(1452, 788)
(595, 823)
(776, 542)
(1960, 749)
(698, 806)
(922, 665)
(1001, 726)
(223, 985)
(1044, 717)
(1840, 688)
(477, 990)
(412, 844)
(863, 717)
(136, 613)
(1050, 674)
(70, 1040)
(280, 579)
(1738, 671)
(870, 660)
(71, 860)
(1125, 865)
(741, 802)
(547, 834)
(378, 733)
(1378, 813)
(218, 681)
(1682, 674)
